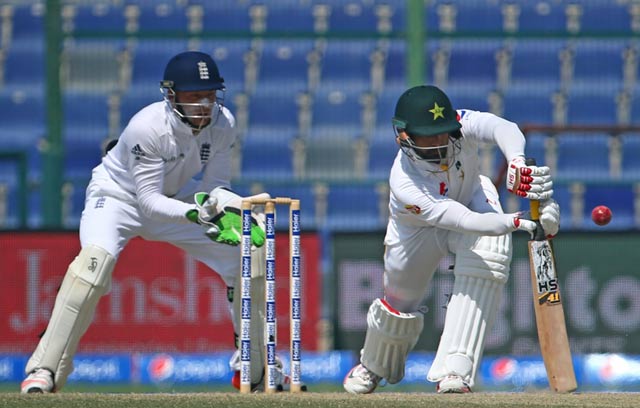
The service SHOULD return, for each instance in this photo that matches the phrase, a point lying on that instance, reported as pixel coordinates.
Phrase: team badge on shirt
(412, 208)
(205, 151)
(443, 189)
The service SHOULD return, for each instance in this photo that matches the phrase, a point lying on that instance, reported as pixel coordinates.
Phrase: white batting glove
(549, 219)
(531, 182)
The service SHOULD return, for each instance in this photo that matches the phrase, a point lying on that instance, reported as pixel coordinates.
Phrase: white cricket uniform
(429, 212)
(145, 184)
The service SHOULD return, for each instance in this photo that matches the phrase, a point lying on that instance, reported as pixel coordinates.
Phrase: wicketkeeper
(145, 187)
(441, 204)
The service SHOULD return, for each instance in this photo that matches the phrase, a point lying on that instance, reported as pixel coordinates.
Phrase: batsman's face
(431, 148)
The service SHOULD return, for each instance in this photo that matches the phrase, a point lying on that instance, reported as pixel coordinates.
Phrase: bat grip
(534, 206)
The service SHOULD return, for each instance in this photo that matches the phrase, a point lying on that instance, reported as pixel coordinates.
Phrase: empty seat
(284, 64)
(86, 111)
(353, 16)
(396, 63)
(28, 21)
(383, 150)
(473, 61)
(162, 17)
(537, 62)
(592, 107)
(93, 65)
(386, 104)
(607, 17)
(541, 17)
(356, 207)
(100, 16)
(151, 58)
(583, 156)
(536, 147)
(23, 120)
(472, 98)
(630, 154)
(523, 108)
(599, 61)
(276, 110)
(267, 159)
(291, 18)
(331, 158)
(347, 62)
(225, 16)
(25, 63)
(337, 107)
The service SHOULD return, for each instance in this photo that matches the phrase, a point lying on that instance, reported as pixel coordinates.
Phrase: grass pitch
(324, 400)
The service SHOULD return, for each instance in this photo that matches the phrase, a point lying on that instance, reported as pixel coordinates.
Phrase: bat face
(545, 272)
(552, 331)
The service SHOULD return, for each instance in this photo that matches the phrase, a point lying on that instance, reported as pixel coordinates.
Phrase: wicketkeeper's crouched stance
(146, 187)
(440, 204)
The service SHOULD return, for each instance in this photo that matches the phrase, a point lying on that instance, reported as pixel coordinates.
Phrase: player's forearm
(509, 139)
(477, 223)
(162, 208)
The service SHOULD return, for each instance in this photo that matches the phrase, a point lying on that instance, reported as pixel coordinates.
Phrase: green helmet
(425, 110)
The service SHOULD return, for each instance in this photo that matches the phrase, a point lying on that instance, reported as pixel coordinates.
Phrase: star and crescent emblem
(438, 111)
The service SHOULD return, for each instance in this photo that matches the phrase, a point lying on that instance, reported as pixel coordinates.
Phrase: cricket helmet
(193, 71)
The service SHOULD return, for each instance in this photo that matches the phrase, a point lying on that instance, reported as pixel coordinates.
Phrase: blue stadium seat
(267, 160)
(330, 158)
(537, 63)
(82, 153)
(25, 64)
(395, 72)
(86, 111)
(592, 107)
(274, 110)
(606, 17)
(291, 18)
(151, 58)
(523, 108)
(466, 97)
(347, 62)
(630, 154)
(337, 107)
(355, 207)
(162, 17)
(599, 61)
(23, 121)
(485, 16)
(474, 61)
(535, 147)
(28, 22)
(225, 16)
(618, 197)
(353, 17)
(542, 17)
(100, 16)
(386, 104)
(382, 152)
(583, 157)
(284, 64)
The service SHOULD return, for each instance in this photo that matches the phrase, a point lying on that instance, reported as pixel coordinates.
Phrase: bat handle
(534, 206)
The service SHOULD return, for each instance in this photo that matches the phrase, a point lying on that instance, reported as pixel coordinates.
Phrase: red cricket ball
(601, 215)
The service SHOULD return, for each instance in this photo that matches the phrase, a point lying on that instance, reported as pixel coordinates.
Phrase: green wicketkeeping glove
(223, 224)
(229, 223)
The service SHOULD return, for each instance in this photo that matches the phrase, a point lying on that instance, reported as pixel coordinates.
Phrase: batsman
(440, 204)
(166, 179)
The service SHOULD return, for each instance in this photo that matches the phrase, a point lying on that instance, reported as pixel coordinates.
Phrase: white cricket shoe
(39, 381)
(360, 380)
(452, 384)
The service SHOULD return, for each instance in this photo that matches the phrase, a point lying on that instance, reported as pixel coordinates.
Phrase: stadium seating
(356, 207)
(619, 198)
(583, 156)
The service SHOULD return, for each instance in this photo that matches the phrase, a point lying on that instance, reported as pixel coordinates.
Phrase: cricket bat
(547, 303)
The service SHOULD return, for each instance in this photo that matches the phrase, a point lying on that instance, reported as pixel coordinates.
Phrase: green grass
(315, 399)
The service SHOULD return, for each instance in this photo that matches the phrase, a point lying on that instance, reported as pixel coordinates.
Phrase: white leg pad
(87, 279)
(391, 335)
(257, 333)
(481, 270)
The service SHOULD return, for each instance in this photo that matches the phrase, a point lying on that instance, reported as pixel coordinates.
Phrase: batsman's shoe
(452, 384)
(360, 380)
(39, 381)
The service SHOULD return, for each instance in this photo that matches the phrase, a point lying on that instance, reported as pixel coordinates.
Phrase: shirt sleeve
(147, 170)
(489, 128)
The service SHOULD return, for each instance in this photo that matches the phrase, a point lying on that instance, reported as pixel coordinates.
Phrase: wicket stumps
(295, 289)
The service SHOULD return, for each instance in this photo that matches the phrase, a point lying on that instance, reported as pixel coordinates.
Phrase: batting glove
(549, 219)
(531, 182)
